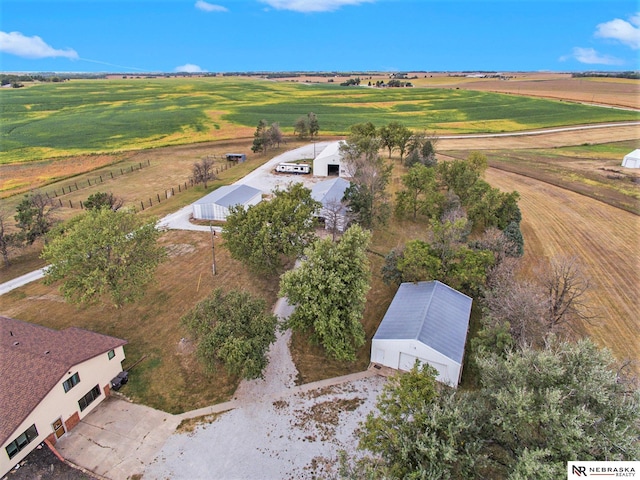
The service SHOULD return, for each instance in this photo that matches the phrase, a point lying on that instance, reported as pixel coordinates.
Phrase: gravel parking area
(294, 437)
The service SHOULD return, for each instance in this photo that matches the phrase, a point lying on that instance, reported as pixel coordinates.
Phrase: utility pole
(213, 249)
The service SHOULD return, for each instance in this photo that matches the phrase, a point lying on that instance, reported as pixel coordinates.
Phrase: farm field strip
(79, 117)
(603, 238)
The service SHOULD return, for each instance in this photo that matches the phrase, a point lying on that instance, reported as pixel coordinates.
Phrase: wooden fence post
(60, 200)
(70, 204)
(142, 205)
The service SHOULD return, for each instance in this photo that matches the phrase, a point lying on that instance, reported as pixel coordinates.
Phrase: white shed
(216, 205)
(330, 194)
(632, 160)
(329, 162)
(428, 322)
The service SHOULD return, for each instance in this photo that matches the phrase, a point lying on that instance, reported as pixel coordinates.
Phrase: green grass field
(90, 116)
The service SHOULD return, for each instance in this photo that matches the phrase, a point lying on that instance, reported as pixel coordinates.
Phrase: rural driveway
(261, 178)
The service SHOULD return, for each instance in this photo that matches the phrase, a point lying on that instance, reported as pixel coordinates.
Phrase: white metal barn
(632, 160)
(216, 205)
(329, 162)
(428, 322)
(330, 194)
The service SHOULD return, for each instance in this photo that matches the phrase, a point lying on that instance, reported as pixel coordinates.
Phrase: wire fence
(92, 182)
(57, 196)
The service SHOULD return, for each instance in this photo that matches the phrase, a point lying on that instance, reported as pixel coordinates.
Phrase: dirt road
(604, 238)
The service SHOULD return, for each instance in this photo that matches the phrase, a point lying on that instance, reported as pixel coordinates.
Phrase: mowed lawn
(78, 117)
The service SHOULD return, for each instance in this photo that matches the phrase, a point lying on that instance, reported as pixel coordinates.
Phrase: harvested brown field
(622, 92)
(605, 239)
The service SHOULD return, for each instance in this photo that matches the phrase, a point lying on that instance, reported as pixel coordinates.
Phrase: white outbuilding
(427, 322)
(632, 160)
(329, 162)
(330, 193)
(216, 205)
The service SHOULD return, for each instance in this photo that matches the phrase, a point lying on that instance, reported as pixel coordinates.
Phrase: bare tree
(566, 288)
(516, 301)
(336, 216)
(274, 134)
(7, 240)
(203, 171)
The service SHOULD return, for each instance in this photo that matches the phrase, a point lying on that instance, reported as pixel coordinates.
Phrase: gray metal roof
(230, 195)
(329, 191)
(430, 312)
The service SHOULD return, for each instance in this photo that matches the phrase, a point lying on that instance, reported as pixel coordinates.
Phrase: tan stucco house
(49, 381)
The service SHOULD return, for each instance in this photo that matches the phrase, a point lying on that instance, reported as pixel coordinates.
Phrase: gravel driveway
(275, 429)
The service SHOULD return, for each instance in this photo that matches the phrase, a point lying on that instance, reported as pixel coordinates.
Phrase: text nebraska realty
(580, 470)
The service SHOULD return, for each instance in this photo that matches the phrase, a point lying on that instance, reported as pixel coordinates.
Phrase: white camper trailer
(300, 168)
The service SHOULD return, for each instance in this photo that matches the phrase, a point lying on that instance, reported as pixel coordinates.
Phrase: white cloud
(307, 6)
(16, 43)
(592, 57)
(209, 7)
(189, 68)
(627, 33)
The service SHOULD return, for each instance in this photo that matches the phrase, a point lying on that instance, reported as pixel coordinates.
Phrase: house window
(22, 441)
(71, 382)
(111, 354)
(85, 401)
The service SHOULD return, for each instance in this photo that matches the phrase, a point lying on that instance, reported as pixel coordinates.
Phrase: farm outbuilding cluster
(216, 205)
(632, 160)
(329, 162)
(426, 322)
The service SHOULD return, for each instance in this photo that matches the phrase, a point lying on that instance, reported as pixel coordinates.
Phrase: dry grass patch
(170, 377)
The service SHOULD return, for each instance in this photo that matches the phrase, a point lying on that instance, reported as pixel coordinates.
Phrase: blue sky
(318, 35)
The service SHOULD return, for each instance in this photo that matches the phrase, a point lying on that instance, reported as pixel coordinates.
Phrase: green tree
(367, 130)
(313, 124)
(419, 262)
(234, 329)
(266, 235)
(301, 127)
(420, 194)
(100, 200)
(261, 137)
(418, 430)
(329, 291)
(459, 176)
(513, 234)
(104, 252)
(395, 136)
(562, 403)
(34, 217)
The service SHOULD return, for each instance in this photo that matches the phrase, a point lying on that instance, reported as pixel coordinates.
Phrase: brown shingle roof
(33, 360)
